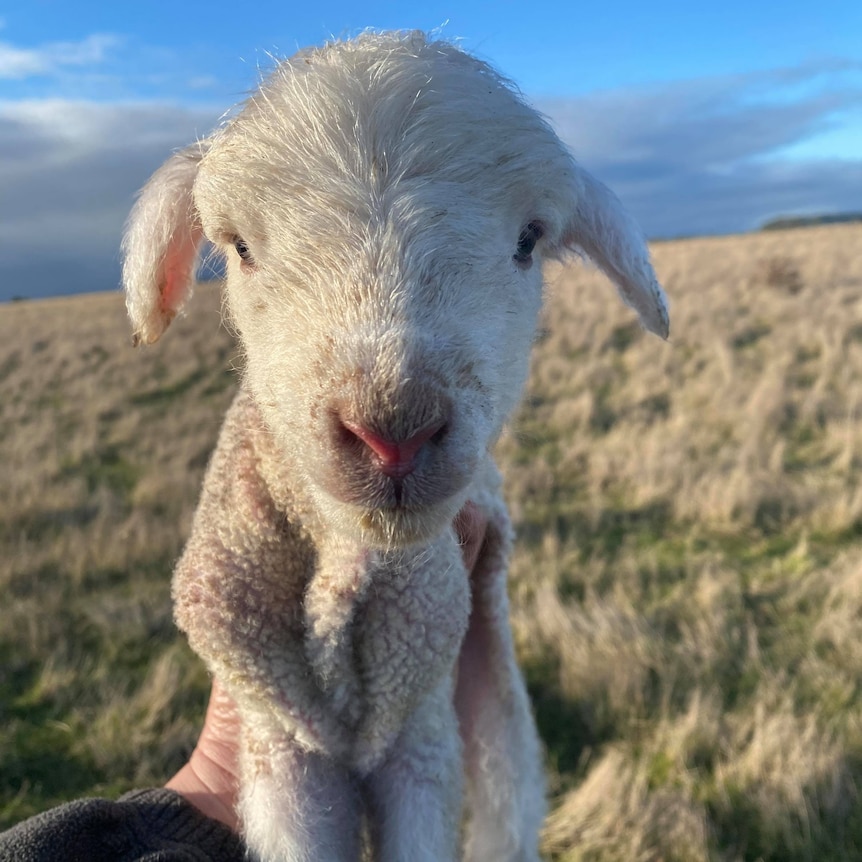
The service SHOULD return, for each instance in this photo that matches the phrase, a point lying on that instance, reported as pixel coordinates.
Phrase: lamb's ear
(602, 229)
(160, 248)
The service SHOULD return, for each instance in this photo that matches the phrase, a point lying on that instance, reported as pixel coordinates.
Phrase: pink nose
(395, 458)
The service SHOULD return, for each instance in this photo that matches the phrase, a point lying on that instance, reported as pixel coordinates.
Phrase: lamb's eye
(243, 250)
(530, 235)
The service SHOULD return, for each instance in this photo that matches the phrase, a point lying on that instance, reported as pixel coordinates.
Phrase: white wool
(378, 189)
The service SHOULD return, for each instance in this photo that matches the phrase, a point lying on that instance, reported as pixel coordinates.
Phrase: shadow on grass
(47, 523)
(602, 535)
(820, 830)
(568, 727)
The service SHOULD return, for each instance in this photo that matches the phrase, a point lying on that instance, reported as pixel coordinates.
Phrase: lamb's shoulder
(238, 522)
(239, 586)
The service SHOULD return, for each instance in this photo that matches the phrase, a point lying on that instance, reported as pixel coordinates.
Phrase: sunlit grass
(687, 584)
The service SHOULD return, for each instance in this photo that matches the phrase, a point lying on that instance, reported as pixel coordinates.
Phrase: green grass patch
(169, 393)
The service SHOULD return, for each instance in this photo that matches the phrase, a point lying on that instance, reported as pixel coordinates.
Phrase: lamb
(383, 205)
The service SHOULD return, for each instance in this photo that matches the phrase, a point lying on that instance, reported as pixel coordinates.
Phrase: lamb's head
(384, 206)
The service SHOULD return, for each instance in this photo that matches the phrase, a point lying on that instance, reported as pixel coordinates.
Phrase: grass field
(687, 586)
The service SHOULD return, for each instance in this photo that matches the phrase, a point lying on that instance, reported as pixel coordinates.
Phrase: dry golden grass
(687, 586)
(102, 450)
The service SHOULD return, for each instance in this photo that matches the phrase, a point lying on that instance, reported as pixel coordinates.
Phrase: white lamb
(383, 205)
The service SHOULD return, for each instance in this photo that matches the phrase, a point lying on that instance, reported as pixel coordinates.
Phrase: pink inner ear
(177, 275)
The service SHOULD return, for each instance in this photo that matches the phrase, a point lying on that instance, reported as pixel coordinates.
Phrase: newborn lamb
(384, 206)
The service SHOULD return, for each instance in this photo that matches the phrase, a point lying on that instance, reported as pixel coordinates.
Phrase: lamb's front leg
(238, 589)
(249, 630)
(332, 600)
(415, 796)
(407, 745)
(296, 805)
(410, 633)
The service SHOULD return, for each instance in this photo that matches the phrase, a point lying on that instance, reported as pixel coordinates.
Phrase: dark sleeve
(143, 826)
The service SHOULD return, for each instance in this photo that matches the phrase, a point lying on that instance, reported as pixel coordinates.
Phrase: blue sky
(704, 118)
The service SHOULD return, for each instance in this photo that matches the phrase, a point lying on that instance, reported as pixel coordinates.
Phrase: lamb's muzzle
(394, 438)
(395, 456)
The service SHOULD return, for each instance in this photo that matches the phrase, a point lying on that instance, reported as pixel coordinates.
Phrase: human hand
(210, 780)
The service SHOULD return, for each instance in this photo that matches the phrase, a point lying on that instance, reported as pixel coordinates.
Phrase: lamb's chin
(394, 527)
(400, 528)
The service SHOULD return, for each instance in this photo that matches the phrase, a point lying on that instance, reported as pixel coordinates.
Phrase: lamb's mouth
(396, 496)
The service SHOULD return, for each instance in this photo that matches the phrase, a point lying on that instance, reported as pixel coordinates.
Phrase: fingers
(470, 525)
(210, 780)
(222, 722)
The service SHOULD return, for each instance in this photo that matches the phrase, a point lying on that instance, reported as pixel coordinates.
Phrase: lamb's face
(385, 279)
(384, 205)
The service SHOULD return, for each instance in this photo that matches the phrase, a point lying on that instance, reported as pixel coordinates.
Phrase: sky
(703, 117)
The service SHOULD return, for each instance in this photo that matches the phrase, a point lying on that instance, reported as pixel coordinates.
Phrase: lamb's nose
(394, 458)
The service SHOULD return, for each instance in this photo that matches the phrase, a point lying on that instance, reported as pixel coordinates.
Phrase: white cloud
(712, 155)
(70, 171)
(17, 63)
(698, 157)
(20, 62)
(202, 82)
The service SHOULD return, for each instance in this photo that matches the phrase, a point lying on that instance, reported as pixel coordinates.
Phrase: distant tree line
(784, 222)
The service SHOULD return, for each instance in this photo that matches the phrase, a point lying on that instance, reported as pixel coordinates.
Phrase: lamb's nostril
(395, 458)
(439, 435)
